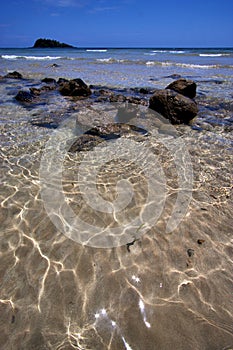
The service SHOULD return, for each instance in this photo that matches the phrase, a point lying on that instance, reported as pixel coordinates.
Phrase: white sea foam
(185, 65)
(176, 52)
(202, 66)
(150, 63)
(212, 54)
(43, 58)
(95, 50)
(111, 60)
(168, 51)
(106, 60)
(159, 51)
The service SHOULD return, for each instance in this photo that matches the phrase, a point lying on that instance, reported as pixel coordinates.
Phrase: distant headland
(49, 43)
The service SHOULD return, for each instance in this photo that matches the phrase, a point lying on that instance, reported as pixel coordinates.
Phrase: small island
(49, 43)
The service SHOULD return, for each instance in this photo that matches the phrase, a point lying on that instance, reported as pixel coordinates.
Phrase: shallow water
(165, 290)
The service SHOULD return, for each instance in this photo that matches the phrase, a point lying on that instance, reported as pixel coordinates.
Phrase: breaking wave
(96, 50)
(41, 58)
(213, 54)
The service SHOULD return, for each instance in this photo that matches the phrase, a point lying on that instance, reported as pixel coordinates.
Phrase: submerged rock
(174, 76)
(46, 122)
(115, 130)
(92, 137)
(177, 108)
(184, 87)
(85, 143)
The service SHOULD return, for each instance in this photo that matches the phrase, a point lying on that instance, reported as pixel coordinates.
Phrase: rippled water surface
(163, 290)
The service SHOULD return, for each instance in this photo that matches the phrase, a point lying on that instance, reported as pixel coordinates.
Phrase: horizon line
(122, 47)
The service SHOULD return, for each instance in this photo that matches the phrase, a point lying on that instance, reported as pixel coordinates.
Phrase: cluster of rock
(176, 102)
(74, 87)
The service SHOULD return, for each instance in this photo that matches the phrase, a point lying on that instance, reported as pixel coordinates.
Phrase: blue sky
(122, 23)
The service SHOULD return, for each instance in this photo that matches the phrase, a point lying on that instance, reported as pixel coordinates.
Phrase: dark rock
(62, 80)
(51, 121)
(136, 100)
(14, 75)
(45, 123)
(114, 98)
(85, 143)
(184, 87)
(49, 81)
(74, 87)
(48, 87)
(35, 91)
(48, 43)
(190, 252)
(144, 91)
(24, 96)
(117, 98)
(177, 108)
(200, 241)
(104, 92)
(92, 137)
(45, 88)
(115, 130)
(174, 76)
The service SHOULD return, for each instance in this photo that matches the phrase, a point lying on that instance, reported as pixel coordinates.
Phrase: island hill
(49, 43)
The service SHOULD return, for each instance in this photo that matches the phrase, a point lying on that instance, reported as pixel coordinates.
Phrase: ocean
(124, 67)
(128, 244)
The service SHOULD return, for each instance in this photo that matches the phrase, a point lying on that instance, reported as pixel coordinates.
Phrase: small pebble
(190, 252)
(200, 241)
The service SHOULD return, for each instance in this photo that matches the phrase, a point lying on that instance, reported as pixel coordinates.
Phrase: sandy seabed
(165, 291)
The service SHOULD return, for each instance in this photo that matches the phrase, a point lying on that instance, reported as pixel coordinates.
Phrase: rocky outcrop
(14, 75)
(184, 87)
(74, 87)
(178, 108)
(49, 43)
